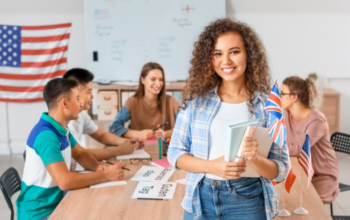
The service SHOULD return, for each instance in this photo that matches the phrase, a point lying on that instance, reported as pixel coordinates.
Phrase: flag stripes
(30, 57)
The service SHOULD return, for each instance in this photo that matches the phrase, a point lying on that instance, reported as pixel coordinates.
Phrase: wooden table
(311, 201)
(116, 203)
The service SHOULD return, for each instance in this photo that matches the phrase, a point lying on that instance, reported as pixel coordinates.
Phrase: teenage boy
(84, 124)
(49, 150)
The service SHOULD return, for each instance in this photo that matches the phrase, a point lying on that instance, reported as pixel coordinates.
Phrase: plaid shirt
(191, 136)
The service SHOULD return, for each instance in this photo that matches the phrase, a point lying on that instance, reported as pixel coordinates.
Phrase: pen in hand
(161, 126)
(124, 168)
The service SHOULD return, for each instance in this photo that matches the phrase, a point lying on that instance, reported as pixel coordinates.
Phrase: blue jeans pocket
(248, 191)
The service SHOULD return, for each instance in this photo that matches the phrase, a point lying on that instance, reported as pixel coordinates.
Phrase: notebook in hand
(234, 138)
(237, 140)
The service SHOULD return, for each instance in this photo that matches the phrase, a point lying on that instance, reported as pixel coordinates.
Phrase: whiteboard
(123, 35)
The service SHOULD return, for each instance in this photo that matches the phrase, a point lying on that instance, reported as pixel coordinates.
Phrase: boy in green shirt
(50, 148)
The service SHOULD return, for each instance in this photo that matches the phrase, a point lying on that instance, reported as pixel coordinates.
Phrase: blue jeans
(241, 199)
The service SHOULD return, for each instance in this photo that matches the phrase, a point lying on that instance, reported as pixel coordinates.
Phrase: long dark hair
(203, 77)
(140, 92)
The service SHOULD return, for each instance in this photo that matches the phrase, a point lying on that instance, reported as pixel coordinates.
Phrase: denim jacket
(191, 136)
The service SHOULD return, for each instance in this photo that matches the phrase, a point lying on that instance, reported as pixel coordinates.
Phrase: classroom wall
(302, 37)
(299, 36)
(22, 117)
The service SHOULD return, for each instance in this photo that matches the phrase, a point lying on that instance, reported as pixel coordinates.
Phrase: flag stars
(10, 46)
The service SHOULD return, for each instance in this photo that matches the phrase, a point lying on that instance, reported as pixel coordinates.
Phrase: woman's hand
(146, 134)
(159, 132)
(250, 148)
(227, 170)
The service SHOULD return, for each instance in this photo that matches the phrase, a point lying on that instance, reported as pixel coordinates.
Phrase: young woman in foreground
(228, 83)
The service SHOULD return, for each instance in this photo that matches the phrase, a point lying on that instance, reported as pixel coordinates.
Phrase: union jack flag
(277, 130)
(305, 159)
(273, 104)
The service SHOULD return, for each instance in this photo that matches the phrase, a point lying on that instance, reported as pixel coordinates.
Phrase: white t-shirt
(83, 125)
(227, 114)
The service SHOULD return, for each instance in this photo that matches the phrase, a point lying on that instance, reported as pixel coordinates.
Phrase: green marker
(160, 147)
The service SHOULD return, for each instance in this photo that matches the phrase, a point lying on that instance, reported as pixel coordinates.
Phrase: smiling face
(73, 105)
(153, 81)
(86, 96)
(230, 57)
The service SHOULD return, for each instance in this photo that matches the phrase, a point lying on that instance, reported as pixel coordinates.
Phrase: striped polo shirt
(48, 143)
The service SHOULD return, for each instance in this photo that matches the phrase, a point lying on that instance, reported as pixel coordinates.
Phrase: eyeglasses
(136, 161)
(291, 93)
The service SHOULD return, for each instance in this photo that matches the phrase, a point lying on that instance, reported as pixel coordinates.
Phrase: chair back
(10, 183)
(341, 142)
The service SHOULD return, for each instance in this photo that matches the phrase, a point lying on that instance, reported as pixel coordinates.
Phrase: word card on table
(154, 190)
(150, 173)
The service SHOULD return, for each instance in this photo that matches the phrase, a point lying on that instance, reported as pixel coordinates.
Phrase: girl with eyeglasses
(301, 100)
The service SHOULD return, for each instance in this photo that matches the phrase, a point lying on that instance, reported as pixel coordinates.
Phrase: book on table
(235, 143)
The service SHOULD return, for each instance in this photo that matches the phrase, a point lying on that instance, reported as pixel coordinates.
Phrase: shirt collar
(256, 100)
(54, 123)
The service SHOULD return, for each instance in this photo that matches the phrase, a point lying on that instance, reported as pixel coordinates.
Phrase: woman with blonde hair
(300, 100)
(149, 108)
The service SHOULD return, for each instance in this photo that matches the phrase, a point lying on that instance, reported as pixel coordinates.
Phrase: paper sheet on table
(150, 173)
(110, 183)
(139, 153)
(182, 181)
(155, 190)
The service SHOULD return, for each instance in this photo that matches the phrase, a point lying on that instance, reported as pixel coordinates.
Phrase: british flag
(277, 130)
(305, 159)
(273, 104)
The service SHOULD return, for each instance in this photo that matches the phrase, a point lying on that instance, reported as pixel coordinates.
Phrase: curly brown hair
(203, 78)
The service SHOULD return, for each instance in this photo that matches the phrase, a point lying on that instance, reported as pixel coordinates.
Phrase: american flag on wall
(30, 56)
